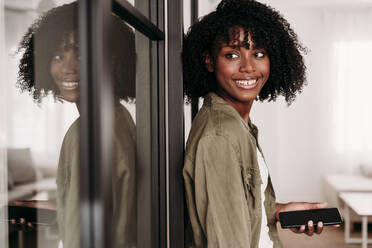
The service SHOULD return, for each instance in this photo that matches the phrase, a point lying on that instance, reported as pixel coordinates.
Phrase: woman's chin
(70, 98)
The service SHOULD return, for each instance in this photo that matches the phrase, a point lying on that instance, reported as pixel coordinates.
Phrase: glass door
(90, 154)
(40, 119)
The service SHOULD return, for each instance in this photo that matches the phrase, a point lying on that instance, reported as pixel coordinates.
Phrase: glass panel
(122, 51)
(132, 111)
(141, 6)
(39, 141)
(42, 132)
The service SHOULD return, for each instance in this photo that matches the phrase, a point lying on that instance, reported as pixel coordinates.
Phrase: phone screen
(329, 216)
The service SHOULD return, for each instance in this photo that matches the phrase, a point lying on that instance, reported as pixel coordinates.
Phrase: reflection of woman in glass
(50, 65)
(241, 52)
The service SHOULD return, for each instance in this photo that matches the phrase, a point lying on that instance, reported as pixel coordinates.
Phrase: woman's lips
(246, 83)
(69, 85)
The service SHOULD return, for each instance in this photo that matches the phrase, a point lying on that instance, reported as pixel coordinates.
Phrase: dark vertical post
(96, 111)
(194, 18)
(159, 116)
(146, 162)
(147, 17)
(175, 124)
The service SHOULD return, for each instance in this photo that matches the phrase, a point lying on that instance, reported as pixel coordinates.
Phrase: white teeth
(246, 82)
(70, 84)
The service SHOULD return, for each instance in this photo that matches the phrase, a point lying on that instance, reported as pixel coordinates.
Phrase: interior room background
(326, 130)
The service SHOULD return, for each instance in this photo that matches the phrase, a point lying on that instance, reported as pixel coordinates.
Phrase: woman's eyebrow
(70, 46)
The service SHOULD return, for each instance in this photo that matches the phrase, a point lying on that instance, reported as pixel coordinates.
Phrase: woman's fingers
(319, 228)
(30, 226)
(23, 225)
(299, 230)
(322, 205)
(310, 228)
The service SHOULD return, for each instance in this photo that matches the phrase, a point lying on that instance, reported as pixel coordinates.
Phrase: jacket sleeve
(124, 197)
(219, 194)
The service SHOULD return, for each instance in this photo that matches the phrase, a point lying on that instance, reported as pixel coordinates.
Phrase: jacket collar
(214, 100)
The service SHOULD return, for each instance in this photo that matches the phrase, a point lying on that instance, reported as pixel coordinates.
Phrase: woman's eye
(231, 56)
(57, 57)
(260, 54)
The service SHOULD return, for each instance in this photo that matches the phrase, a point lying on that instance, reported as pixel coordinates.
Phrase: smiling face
(64, 68)
(241, 71)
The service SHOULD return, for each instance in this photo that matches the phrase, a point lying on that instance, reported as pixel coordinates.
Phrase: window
(353, 103)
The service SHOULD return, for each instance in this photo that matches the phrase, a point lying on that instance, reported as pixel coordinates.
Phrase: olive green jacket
(123, 184)
(223, 182)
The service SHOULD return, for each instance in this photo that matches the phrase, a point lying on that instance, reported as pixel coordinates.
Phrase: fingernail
(310, 223)
(320, 224)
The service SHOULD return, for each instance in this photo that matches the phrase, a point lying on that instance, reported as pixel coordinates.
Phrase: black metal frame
(95, 135)
(194, 17)
(135, 18)
(159, 106)
(96, 196)
(175, 124)
(149, 144)
(151, 108)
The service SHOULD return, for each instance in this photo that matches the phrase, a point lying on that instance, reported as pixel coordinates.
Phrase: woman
(50, 65)
(242, 51)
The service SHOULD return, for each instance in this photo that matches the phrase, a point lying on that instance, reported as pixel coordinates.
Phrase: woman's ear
(209, 63)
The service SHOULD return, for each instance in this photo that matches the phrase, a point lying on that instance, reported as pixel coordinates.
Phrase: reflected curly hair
(45, 36)
(266, 28)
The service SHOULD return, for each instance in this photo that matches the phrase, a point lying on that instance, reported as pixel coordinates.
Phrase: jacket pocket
(252, 182)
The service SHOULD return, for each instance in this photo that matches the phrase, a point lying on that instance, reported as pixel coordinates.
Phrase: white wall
(292, 137)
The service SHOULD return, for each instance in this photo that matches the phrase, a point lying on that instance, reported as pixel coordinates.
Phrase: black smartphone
(37, 216)
(294, 219)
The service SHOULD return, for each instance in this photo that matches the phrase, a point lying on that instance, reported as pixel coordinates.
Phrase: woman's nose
(247, 64)
(70, 63)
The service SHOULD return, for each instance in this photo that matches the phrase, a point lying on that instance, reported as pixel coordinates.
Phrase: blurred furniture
(361, 204)
(339, 183)
(25, 179)
(28, 180)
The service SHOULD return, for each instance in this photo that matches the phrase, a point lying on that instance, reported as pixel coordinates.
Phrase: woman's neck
(243, 108)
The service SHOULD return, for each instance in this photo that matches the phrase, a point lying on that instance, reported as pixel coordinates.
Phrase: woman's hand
(21, 225)
(294, 206)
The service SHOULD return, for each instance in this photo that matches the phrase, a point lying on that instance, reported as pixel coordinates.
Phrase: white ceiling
(305, 3)
(317, 3)
(22, 4)
(33, 4)
(206, 6)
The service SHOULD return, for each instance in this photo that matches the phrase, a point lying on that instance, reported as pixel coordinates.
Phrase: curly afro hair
(45, 36)
(266, 28)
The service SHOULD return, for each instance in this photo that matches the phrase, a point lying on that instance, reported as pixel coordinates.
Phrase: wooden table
(361, 203)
